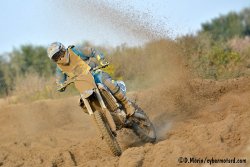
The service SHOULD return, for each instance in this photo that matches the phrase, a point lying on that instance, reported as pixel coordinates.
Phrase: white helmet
(54, 48)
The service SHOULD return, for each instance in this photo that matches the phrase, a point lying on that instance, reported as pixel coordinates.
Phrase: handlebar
(100, 67)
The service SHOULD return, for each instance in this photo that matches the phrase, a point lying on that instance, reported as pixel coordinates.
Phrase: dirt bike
(109, 114)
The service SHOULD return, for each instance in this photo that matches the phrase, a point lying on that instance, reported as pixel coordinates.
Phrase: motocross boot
(130, 110)
(120, 96)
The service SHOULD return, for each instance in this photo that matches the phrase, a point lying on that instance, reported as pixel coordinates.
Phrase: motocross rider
(64, 56)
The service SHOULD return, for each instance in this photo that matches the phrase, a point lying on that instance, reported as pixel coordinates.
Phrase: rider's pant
(105, 78)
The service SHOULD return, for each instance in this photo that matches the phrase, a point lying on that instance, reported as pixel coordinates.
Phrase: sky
(41, 22)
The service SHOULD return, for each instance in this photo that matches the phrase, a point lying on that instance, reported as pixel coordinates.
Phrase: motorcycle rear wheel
(143, 128)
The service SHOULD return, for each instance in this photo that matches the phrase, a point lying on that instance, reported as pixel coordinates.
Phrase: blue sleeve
(60, 76)
(79, 53)
(88, 52)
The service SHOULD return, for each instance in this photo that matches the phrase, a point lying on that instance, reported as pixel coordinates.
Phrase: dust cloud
(103, 15)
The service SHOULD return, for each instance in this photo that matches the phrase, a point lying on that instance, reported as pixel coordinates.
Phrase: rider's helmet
(54, 49)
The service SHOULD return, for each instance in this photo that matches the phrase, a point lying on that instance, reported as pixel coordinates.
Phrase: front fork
(105, 111)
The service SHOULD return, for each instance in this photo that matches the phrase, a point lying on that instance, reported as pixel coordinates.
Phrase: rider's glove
(104, 63)
(60, 88)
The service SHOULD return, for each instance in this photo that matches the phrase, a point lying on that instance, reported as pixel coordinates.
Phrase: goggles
(58, 56)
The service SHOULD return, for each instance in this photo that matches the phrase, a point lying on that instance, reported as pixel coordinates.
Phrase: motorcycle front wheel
(107, 134)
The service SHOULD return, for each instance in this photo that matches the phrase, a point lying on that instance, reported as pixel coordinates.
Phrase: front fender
(87, 93)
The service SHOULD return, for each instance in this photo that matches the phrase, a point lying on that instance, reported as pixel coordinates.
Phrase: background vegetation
(220, 50)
